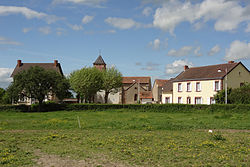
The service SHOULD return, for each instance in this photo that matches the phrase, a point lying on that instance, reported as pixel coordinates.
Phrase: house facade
(47, 66)
(158, 89)
(198, 85)
(133, 87)
(167, 92)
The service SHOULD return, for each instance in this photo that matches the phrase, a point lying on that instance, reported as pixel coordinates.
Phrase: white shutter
(191, 86)
(181, 86)
(181, 100)
(170, 99)
(194, 101)
(219, 85)
(200, 86)
(208, 100)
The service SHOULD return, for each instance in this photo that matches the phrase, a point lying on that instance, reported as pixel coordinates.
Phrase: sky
(139, 37)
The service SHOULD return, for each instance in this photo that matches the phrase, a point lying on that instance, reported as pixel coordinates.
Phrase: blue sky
(140, 37)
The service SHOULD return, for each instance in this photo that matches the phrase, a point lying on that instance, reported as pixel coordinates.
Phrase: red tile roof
(146, 95)
(206, 72)
(130, 80)
(160, 82)
(47, 66)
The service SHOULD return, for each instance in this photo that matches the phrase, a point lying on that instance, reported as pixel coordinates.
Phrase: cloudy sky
(140, 37)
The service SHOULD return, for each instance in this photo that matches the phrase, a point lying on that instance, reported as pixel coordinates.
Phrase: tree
(234, 96)
(86, 82)
(36, 82)
(112, 80)
(2, 93)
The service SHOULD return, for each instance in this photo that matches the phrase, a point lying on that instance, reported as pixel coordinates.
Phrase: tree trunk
(106, 97)
(40, 105)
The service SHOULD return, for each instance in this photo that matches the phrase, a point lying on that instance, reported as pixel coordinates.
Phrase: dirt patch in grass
(47, 160)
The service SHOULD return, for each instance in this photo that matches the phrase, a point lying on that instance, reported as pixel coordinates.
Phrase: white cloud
(155, 44)
(197, 51)
(60, 31)
(45, 30)
(76, 27)
(214, 50)
(92, 3)
(177, 66)
(238, 50)
(28, 13)
(5, 79)
(122, 23)
(184, 51)
(6, 41)
(86, 19)
(26, 30)
(147, 11)
(150, 66)
(226, 14)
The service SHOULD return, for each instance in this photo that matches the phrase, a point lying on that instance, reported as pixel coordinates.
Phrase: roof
(168, 86)
(146, 95)
(99, 61)
(47, 66)
(218, 71)
(130, 80)
(160, 82)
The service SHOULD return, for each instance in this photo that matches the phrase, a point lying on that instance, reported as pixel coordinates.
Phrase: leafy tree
(220, 96)
(112, 80)
(86, 82)
(240, 95)
(2, 93)
(234, 96)
(37, 82)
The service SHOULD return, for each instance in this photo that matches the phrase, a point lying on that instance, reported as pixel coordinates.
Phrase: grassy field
(124, 138)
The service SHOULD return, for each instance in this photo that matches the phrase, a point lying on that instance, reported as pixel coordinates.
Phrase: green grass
(126, 137)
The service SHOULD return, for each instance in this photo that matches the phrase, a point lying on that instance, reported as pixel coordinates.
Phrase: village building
(157, 89)
(167, 92)
(47, 66)
(198, 85)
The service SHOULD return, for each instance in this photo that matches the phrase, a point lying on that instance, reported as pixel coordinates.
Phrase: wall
(130, 93)
(207, 91)
(167, 94)
(234, 78)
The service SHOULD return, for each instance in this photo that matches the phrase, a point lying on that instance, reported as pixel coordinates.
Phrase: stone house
(157, 89)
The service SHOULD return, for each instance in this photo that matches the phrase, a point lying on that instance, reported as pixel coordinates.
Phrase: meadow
(123, 137)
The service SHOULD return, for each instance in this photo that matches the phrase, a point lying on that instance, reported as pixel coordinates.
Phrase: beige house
(47, 66)
(157, 89)
(133, 87)
(167, 92)
(198, 85)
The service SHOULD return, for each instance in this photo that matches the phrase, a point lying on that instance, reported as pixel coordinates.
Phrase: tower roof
(99, 61)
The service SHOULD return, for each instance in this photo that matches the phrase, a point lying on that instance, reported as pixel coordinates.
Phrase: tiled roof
(130, 80)
(99, 61)
(160, 82)
(168, 86)
(146, 95)
(47, 66)
(206, 72)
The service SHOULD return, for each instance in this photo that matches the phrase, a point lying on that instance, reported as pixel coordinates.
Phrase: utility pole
(226, 88)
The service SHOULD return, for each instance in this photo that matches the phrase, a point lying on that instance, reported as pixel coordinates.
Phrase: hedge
(134, 107)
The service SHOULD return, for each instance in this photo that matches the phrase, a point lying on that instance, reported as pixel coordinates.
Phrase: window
(179, 100)
(212, 101)
(179, 87)
(167, 100)
(216, 86)
(135, 97)
(188, 100)
(197, 100)
(198, 86)
(188, 87)
(241, 84)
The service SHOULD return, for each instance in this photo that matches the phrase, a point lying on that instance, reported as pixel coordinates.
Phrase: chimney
(230, 62)
(55, 63)
(19, 63)
(186, 67)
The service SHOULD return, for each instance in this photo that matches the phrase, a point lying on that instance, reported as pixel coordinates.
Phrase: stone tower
(99, 63)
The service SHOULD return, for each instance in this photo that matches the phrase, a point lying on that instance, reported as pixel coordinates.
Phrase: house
(25, 66)
(157, 89)
(198, 85)
(146, 97)
(167, 92)
(133, 87)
